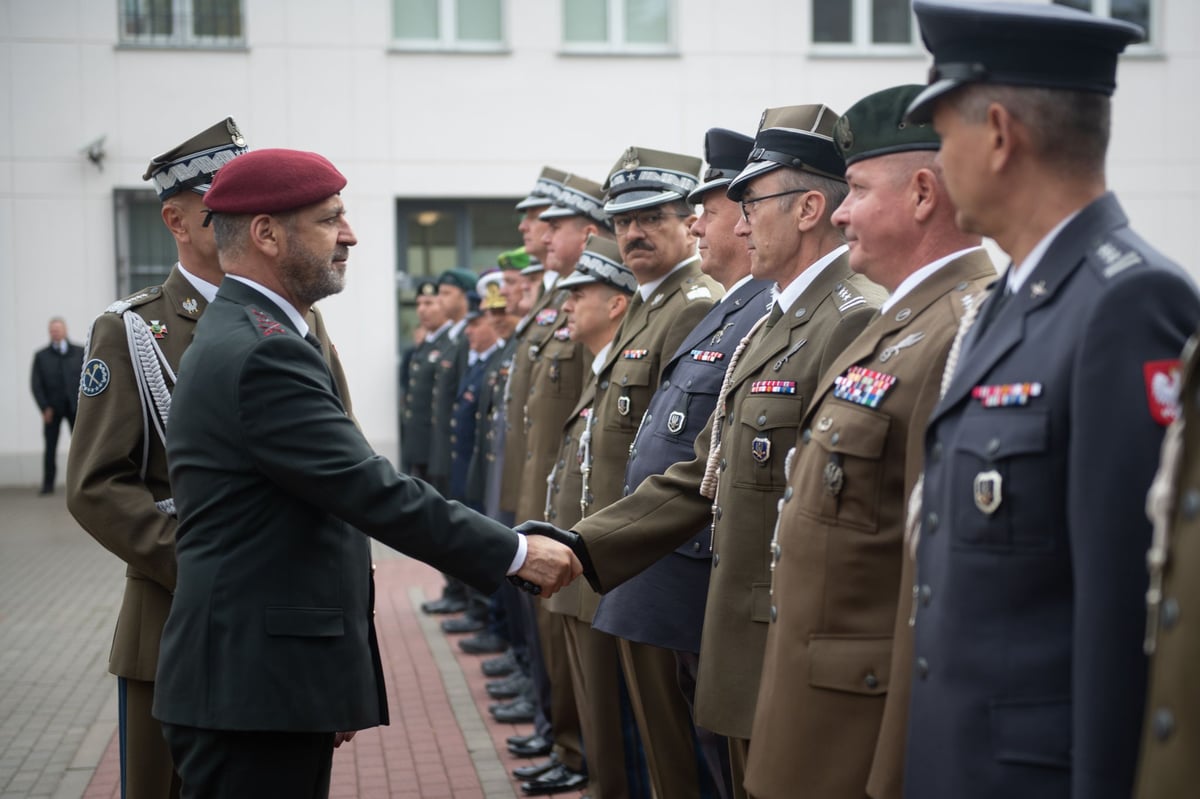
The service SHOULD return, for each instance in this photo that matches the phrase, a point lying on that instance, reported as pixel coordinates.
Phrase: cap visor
(534, 201)
(575, 279)
(634, 200)
(920, 110)
(533, 269)
(697, 195)
(559, 212)
(737, 186)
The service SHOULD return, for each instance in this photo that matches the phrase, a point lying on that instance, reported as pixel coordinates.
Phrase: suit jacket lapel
(639, 318)
(1007, 330)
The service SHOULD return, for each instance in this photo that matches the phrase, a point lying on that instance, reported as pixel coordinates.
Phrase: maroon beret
(273, 181)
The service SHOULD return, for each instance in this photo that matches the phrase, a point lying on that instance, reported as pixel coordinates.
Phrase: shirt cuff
(519, 559)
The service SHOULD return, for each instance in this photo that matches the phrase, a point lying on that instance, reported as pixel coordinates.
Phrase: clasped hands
(555, 557)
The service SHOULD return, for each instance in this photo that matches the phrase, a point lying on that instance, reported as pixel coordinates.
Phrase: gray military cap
(191, 166)
(601, 263)
(579, 197)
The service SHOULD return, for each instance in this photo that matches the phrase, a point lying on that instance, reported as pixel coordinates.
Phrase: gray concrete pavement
(59, 594)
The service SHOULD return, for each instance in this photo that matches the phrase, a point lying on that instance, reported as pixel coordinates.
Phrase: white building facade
(441, 113)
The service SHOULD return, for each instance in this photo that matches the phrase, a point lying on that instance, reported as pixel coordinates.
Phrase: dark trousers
(224, 764)
(50, 458)
(146, 768)
(714, 749)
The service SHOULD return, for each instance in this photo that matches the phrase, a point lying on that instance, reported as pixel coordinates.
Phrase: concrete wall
(320, 76)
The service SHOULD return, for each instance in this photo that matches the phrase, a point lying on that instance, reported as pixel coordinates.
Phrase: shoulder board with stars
(634, 355)
(699, 292)
(546, 316)
(773, 387)
(863, 386)
(1006, 394)
(265, 324)
(563, 333)
(707, 356)
(847, 299)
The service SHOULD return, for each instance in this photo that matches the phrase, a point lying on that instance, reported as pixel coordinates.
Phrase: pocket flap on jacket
(852, 664)
(1032, 731)
(308, 622)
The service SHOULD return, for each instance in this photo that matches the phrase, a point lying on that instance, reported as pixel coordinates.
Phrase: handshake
(553, 560)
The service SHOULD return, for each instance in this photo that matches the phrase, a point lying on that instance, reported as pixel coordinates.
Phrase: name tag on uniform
(773, 387)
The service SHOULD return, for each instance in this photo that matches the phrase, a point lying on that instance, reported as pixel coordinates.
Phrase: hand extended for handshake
(555, 557)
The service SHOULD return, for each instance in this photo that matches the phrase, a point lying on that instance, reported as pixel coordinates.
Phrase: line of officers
(857, 518)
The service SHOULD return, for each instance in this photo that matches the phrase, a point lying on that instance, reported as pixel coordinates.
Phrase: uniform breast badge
(707, 356)
(676, 421)
(835, 476)
(623, 404)
(773, 387)
(987, 491)
(1000, 396)
(760, 448)
(546, 316)
(158, 329)
(863, 386)
(190, 305)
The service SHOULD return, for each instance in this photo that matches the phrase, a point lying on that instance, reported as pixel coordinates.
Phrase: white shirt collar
(601, 357)
(474, 357)
(549, 278)
(1017, 276)
(729, 292)
(438, 332)
(647, 289)
(207, 290)
(920, 276)
(786, 297)
(284, 305)
(457, 328)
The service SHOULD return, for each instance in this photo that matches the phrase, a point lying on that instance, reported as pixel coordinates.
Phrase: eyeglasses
(648, 221)
(747, 203)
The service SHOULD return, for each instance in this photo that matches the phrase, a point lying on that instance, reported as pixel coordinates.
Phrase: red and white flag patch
(1163, 379)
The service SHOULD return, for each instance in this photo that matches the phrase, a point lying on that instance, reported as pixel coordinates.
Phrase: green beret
(459, 278)
(513, 259)
(876, 126)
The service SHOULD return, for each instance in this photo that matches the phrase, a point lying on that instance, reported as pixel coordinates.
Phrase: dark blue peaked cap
(1017, 44)
(726, 152)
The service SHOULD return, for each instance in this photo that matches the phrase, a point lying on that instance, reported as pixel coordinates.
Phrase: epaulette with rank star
(847, 298)
(134, 300)
(263, 322)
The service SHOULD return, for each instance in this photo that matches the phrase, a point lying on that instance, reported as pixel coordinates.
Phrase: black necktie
(994, 309)
(311, 339)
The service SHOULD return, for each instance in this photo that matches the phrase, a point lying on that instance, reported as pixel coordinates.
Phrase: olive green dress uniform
(649, 335)
(759, 428)
(417, 427)
(448, 370)
(1169, 765)
(116, 480)
(827, 682)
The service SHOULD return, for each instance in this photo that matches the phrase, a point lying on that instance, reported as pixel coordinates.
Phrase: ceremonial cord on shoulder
(151, 371)
(708, 486)
(1160, 500)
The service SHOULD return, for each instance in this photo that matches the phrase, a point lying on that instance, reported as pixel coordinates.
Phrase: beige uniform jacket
(531, 333)
(1170, 754)
(769, 390)
(828, 683)
(105, 490)
(558, 369)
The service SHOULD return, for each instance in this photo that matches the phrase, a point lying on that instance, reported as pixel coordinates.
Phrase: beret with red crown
(273, 181)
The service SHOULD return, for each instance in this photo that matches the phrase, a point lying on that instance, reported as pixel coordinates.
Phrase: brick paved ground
(59, 592)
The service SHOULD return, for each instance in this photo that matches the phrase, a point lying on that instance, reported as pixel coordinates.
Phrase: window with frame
(476, 25)
(877, 26)
(1139, 12)
(182, 23)
(146, 250)
(634, 27)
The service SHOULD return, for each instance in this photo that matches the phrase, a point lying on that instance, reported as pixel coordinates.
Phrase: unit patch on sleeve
(1162, 389)
(94, 377)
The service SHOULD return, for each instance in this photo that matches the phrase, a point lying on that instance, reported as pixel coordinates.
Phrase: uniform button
(553, 514)
(935, 454)
(624, 380)
(1170, 612)
(718, 512)
(716, 559)
(372, 568)
(649, 418)
(777, 552)
(806, 436)
(871, 681)
(696, 546)
(722, 464)
(774, 613)
(689, 383)
(835, 438)
(962, 286)
(787, 494)
(667, 384)
(922, 668)
(603, 384)
(633, 453)
(562, 464)
(1163, 723)
(762, 418)
(993, 446)
(926, 595)
(1191, 503)
(626, 492)
(931, 522)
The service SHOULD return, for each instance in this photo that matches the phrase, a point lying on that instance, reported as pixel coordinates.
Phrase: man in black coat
(55, 383)
(1029, 675)
(269, 657)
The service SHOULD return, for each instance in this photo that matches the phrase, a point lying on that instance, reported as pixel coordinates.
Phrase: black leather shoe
(518, 711)
(559, 779)
(508, 687)
(535, 747)
(502, 666)
(517, 740)
(444, 605)
(463, 624)
(535, 770)
(486, 643)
